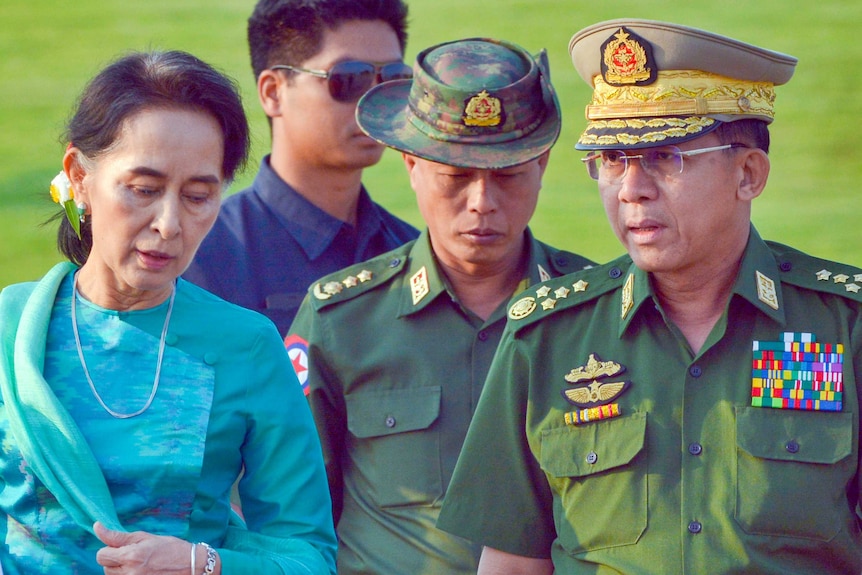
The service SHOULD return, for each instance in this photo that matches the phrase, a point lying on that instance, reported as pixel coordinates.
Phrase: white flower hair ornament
(62, 193)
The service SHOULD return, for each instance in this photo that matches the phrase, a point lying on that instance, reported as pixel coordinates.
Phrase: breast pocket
(599, 471)
(792, 471)
(395, 453)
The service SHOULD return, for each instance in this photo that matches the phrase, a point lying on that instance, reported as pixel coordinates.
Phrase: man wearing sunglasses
(692, 407)
(399, 346)
(307, 213)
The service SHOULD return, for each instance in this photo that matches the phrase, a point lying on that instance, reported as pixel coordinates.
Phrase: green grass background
(50, 48)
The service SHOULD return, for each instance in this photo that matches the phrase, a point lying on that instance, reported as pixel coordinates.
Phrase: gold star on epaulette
(823, 275)
(562, 292)
(543, 291)
(350, 281)
(364, 276)
(853, 288)
(329, 289)
(857, 278)
(580, 285)
(549, 303)
(840, 278)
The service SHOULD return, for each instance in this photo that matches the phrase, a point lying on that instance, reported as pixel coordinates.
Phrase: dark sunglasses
(348, 81)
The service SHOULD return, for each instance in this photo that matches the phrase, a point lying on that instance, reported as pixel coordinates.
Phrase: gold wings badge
(595, 392)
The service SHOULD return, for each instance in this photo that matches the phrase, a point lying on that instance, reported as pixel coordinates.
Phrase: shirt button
(785, 266)
(695, 527)
(394, 263)
(791, 446)
(695, 448)
(483, 335)
(592, 457)
(615, 272)
(695, 371)
(390, 421)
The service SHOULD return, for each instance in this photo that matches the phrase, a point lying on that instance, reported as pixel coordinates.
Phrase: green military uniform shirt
(395, 368)
(603, 442)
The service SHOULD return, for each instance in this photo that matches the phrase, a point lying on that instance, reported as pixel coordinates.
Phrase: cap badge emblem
(627, 60)
(483, 109)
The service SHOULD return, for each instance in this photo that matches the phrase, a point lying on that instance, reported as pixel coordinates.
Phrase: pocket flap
(795, 435)
(575, 451)
(377, 413)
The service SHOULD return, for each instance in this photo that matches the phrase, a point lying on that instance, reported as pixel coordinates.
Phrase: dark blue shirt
(269, 244)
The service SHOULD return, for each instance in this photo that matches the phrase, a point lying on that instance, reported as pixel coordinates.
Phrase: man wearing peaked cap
(693, 406)
(399, 346)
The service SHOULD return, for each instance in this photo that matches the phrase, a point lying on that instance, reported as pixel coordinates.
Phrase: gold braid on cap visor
(687, 96)
(682, 93)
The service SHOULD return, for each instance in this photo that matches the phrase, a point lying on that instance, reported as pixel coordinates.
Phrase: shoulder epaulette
(565, 292)
(358, 279)
(803, 270)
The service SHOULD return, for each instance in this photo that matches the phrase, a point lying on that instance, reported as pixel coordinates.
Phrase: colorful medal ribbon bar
(592, 414)
(797, 373)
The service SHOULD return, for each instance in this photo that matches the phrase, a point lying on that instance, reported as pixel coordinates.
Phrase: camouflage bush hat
(658, 83)
(474, 103)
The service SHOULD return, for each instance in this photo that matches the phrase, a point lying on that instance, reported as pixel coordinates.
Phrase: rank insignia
(580, 285)
(350, 281)
(522, 308)
(419, 286)
(483, 109)
(766, 290)
(628, 297)
(328, 290)
(364, 276)
(797, 373)
(595, 393)
(627, 60)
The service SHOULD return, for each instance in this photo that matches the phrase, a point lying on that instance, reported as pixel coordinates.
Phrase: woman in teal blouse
(131, 400)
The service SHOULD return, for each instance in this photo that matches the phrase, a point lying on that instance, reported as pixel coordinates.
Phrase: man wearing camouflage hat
(399, 346)
(691, 407)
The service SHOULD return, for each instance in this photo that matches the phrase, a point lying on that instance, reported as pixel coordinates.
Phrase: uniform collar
(424, 281)
(312, 228)
(758, 282)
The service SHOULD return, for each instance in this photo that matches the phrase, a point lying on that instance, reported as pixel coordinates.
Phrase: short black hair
(751, 131)
(142, 81)
(291, 31)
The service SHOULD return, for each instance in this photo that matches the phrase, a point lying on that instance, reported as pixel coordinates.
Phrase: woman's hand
(141, 553)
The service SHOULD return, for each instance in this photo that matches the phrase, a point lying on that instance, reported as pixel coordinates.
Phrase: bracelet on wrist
(209, 569)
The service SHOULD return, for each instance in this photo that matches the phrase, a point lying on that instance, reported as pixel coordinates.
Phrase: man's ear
(268, 84)
(754, 173)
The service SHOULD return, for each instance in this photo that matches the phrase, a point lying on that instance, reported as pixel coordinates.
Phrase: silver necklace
(117, 414)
